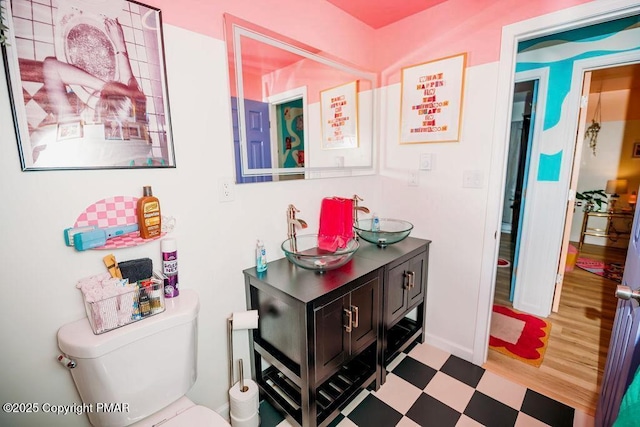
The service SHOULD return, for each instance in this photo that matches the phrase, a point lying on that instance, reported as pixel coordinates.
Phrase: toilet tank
(129, 373)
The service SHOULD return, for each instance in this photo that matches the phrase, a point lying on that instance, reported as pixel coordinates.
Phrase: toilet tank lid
(78, 340)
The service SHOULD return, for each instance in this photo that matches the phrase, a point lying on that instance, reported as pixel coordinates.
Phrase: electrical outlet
(226, 190)
(472, 179)
(414, 178)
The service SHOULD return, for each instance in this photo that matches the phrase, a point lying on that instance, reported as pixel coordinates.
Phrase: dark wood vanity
(322, 338)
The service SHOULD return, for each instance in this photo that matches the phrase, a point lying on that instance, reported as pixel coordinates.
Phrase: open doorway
(606, 175)
(545, 33)
(573, 366)
(287, 116)
(524, 101)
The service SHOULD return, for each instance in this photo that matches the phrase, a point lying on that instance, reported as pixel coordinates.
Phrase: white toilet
(142, 370)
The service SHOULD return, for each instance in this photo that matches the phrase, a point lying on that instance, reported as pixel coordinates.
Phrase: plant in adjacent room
(592, 198)
(594, 128)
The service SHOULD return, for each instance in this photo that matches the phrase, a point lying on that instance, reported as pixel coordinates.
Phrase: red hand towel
(336, 223)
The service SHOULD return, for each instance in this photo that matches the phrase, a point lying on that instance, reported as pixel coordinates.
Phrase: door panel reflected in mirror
(297, 113)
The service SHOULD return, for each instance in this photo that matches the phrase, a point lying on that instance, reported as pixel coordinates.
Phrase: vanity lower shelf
(401, 336)
(332, 395)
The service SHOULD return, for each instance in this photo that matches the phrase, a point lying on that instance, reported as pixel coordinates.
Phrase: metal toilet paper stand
(243, 388)
(230, 330)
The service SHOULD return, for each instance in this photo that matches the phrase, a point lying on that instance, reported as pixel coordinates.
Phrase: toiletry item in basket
(112, 266)
(135, 311)
(144, 302)
(98, 237)
(157, 303)
(148, 211)
(136, 269)
(154, 289)
(169, 250)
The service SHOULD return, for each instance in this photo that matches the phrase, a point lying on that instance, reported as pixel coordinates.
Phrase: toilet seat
(184, 412)
(197, 416)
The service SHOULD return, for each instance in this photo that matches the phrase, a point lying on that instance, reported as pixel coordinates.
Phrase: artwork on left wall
(87, 85)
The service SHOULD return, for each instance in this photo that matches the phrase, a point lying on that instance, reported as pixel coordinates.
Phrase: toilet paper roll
(253, 421)
(244, 405)
(245, 320)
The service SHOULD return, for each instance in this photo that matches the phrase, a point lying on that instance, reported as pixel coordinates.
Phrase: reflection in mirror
(297, 113)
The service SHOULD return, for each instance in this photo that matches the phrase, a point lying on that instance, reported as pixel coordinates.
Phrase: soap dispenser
(261, 257)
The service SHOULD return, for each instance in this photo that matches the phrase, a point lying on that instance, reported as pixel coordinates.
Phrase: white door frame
(567, 19)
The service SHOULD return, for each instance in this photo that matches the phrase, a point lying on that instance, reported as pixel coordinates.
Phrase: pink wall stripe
(315, 22)
(473, 26)
(451, 27)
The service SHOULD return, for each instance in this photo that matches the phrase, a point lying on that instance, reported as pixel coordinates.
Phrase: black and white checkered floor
(428, 387)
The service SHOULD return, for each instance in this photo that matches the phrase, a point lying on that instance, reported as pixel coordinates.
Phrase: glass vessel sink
(391, 231)
(303, 251)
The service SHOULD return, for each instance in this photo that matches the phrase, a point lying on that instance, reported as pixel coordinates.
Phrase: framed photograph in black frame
(81, 75)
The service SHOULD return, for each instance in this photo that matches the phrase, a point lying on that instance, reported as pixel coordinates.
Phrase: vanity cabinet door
(396, 293)
(346, 326)
(416, 268)
(404, 287)
(365, 314)
(332, 341)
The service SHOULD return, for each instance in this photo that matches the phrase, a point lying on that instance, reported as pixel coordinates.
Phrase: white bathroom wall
(215, 240)
(442, 209)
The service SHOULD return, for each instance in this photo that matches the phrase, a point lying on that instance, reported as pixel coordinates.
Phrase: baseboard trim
(450, 347)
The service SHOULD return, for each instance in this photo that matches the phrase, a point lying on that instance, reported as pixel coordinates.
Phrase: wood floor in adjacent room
(573, 365)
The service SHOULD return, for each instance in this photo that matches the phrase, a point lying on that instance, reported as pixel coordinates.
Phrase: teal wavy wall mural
(558, 53)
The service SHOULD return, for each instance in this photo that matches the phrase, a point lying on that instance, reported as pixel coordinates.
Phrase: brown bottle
(149, 219)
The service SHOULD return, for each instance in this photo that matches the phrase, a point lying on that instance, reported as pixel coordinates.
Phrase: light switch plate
(426, 161)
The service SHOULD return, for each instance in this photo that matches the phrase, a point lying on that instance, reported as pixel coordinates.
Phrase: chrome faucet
(293, 222)
(357, 208)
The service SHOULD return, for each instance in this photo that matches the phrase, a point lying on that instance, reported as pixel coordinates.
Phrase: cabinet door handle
(349, 314)
(354, 310)
(410, 275)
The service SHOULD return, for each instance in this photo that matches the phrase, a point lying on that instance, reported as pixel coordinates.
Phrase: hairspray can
(170, 267)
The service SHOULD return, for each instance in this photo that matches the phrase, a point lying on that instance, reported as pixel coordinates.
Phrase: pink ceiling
(259, 58)
(379, 13)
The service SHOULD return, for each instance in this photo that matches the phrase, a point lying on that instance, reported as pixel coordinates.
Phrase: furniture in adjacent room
(322, 338)
(618, 224)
